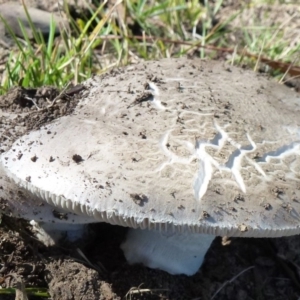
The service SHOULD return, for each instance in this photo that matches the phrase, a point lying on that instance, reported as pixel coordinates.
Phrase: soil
(95, 268)
(233, 269)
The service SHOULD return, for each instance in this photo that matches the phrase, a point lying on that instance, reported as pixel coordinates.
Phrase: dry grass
(127, 31)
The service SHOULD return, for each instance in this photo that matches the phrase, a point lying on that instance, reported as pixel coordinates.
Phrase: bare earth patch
(243, 269)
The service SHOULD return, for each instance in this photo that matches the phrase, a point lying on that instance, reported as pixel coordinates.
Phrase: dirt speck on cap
(77, 158)
(139, 199)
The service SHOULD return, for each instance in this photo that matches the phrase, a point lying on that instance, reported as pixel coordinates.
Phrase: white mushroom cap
(19, 202)
(175, 144)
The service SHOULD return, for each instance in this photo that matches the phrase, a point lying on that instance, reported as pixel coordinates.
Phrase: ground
(95, 268)
(235, 269)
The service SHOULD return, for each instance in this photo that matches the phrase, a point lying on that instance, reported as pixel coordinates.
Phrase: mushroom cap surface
(176, 144)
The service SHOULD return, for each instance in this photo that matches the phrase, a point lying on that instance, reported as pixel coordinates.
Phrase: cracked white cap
(175, 144)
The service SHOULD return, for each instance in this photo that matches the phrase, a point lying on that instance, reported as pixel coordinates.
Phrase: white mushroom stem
(175, 253)
(50, 233)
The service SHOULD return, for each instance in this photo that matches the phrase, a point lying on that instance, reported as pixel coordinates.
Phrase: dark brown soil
(242, 269)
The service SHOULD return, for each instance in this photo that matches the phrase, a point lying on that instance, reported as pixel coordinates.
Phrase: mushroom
(179, 150)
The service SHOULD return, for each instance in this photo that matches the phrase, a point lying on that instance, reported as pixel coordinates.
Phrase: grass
(133, 30)
(36, 292)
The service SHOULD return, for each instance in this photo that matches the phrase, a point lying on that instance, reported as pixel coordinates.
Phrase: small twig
(289, 79)
(33, 101)
(259, 56)
(138, 290)
(61, 94)
(288, 69)
(230, 281)
(7, 137)
(99, 267)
